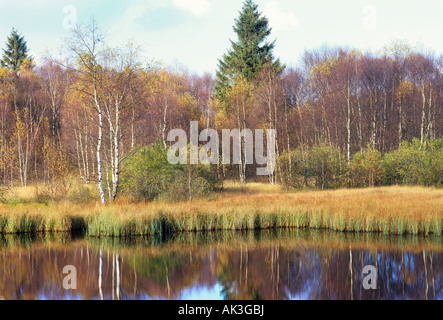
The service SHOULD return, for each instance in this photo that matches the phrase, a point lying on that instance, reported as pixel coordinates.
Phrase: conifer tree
(16, 51)
(250, 53)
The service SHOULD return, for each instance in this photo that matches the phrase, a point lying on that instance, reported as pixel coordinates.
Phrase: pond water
(267, 265)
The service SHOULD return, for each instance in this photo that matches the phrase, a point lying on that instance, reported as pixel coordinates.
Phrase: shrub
(81, 194)
(415, 164)
(148, 175)
(366, 169)
(321, 166)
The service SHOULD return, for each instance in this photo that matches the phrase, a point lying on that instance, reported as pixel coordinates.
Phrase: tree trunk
(423, 115)
(99, 145)
(348, 125)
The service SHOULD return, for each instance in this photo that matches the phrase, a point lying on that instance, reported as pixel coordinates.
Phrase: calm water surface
(261, 265)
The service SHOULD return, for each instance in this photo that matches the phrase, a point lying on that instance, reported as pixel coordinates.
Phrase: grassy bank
(390, 210)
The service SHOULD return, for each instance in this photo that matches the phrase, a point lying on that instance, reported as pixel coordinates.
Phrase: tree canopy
(250, 53)
(16, 51)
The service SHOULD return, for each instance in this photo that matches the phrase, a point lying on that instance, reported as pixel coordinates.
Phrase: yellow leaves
(221, 118)
(27, 65)
(325, 68)
(405, 88)
(241, 90)
(4, 73)
(164, 83)
(55, 159)
(398, 48)
(84, 61)
(164, 76)
(356, 54)
(239, 98)
(20, 122)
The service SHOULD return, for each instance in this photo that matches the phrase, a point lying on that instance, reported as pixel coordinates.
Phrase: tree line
(83, 115)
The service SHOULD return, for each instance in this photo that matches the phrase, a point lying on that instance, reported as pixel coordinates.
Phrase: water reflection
(265, 265)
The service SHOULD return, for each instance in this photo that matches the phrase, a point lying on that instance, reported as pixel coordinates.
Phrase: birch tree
(89, 50)
(118, 93)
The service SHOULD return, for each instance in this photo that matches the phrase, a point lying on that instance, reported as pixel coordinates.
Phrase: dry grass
(234, 187)
(389, 210)
(39, 193)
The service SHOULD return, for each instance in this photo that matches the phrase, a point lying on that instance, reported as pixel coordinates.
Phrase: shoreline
(386, 210)
(288, 239)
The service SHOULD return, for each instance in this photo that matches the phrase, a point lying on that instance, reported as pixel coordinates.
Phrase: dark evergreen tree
(16, 51)
(250, 53)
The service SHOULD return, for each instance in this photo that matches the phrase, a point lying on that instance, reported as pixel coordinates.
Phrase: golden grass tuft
(388, 210)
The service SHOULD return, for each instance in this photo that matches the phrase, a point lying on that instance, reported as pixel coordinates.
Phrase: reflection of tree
(157, 267)
(253, 270)
(331, 274)
(401, 275)
(251, 275)
(234, 281)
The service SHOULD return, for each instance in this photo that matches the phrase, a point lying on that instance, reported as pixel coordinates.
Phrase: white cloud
(278, 18)
(196, 7)
(128, 26)
(133, 13)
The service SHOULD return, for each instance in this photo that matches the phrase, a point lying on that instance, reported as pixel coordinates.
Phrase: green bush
(366, 168)
(148, 175)
(321, 166)
(414, 164)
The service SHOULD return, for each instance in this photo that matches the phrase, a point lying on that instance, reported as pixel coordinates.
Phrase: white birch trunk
(99, 145)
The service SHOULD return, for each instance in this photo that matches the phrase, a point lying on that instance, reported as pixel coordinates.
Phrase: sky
(194, 34)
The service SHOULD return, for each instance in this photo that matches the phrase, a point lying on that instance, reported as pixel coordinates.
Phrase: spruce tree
(16, 51)
(250, 53)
